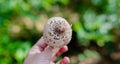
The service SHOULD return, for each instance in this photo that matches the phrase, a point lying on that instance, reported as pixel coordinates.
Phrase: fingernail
(65, 60)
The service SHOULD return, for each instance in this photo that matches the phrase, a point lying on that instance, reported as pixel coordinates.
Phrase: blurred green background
(95, 23)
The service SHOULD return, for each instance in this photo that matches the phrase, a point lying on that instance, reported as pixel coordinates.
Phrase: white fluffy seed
(57, 32)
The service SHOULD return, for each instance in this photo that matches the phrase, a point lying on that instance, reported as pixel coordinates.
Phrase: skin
(41, 53)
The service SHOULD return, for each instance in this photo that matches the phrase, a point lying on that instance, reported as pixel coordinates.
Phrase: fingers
(41, 44)
(38, 47)
(65, 60)
(60, 52)
(47, 53)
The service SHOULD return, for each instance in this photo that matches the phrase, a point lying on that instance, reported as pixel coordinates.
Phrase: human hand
(41, 53)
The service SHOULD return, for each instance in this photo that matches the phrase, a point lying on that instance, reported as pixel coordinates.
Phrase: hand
(41, 53)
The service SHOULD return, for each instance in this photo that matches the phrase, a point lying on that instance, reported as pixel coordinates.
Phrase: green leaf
(81, 57)
(65, 2)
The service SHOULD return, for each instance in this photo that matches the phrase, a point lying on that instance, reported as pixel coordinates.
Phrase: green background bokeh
(95, 24)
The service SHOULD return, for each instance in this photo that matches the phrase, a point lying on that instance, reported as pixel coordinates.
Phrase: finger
(38, 47)
(65, 60)
(47, 53)
(60, 52)
(41, 44)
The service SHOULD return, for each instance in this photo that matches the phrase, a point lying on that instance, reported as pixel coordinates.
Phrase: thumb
(49, 52)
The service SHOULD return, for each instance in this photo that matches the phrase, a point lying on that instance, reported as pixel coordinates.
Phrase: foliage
(93, 21)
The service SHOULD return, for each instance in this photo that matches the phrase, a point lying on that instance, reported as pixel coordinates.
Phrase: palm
(41, 53)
